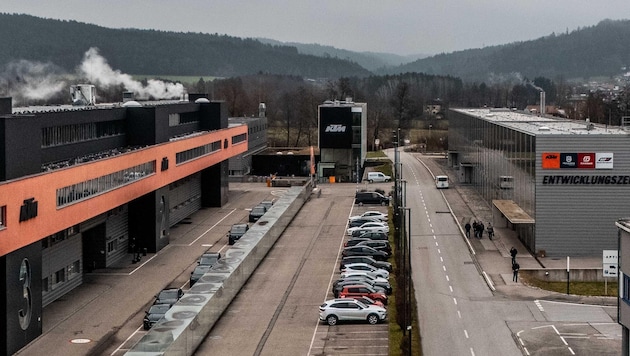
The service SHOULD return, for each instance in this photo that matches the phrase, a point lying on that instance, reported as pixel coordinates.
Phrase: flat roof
(541, 125)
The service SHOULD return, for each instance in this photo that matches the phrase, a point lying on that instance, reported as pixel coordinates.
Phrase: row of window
(257, 128)
(3, 217)
(65, 274)
(60, 236)
(196, 152)
(176, 119)
(64, 134)
(86, 189)
(239, 138)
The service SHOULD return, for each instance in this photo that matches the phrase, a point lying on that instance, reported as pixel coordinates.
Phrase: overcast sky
(395, 26)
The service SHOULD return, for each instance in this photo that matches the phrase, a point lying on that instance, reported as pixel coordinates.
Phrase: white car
(341, 309)
(377, 215)
(370, 226)
(364, 267)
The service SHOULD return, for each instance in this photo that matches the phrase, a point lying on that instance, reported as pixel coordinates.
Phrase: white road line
(212, 227)
(127, 339)
(466, 333)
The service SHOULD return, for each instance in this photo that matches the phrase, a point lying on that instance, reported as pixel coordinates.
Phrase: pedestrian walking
(515, 268)
(467, 228)
(490, 231)
(513, 252)
(475, 228)
(481, 228)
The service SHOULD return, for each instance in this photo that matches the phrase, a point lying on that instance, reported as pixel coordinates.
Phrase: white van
(441, 182)
(377, 177)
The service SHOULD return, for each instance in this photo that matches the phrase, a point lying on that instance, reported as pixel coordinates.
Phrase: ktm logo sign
(335, 128)
(551, 156)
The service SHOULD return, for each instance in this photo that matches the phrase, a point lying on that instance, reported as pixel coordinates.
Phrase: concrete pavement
(493, 256)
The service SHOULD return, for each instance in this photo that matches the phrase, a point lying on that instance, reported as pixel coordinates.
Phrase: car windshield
(239, 229)
(168, 294)
(159, 309)
(208, 259)
(258, 210)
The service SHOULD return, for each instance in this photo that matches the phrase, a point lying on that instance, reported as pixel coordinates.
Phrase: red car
(355, 291)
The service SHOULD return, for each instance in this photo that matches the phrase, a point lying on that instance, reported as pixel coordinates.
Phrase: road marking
(126, 340)
(212, 227)
(466, 333)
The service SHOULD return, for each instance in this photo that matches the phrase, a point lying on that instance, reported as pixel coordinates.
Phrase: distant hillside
(369, 60)
(600, 50)
(133, 51)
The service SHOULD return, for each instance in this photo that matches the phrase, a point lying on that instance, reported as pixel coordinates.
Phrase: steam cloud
(28, 81)
(95, 68)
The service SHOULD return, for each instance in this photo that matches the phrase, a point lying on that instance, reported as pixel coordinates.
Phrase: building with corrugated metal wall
(560, 184)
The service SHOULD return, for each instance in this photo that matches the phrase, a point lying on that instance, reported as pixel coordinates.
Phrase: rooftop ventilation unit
(83, 94)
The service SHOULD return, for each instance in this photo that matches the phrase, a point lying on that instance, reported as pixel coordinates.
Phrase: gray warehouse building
(560, 184)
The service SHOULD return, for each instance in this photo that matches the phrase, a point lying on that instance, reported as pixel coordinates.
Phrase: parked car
(374, 235)
(382, 245)
(371, 270)
(353, 242)
(365, 251)
(267, 204)
(361, 198)
(168, 296)
(361, 221)
(365, 259)
(209, 258)
(236, 232)
(373, 214)
(362, 291)
(154, 314)
(332, 311)
(256, 213)
(383, 287)
(378, 177)
(197, 273)
(369, 301)
(370, 226)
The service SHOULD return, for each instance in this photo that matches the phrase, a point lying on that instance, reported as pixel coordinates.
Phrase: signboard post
(610, 268)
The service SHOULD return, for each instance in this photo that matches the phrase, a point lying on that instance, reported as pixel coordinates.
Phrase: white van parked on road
(377, 177)
(441, 182)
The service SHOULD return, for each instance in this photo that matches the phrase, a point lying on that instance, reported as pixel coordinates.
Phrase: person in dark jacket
(513, 253)
(467, 228)
(515, 268)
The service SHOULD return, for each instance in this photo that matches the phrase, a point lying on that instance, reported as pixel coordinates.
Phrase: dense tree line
(600, 50)
(151, 52)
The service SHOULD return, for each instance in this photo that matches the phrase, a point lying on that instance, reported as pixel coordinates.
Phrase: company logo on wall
(581, 160)
(335, 128)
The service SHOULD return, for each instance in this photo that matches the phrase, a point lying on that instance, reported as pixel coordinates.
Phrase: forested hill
(600, 50)
(151, 52)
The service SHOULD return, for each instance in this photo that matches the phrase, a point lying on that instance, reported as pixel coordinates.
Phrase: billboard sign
(335, 127)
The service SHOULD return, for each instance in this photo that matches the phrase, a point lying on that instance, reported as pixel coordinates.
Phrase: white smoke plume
(98, 72)
(31, 83)
(28, 81)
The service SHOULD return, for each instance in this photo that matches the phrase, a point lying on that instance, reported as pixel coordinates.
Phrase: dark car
(154, 314)
(199, 271)
(209, 259)
(376, 244)
(267, 204)
(236, 232)
(361, 221)
(168, 296)
(353, 242)
(365, 259)
(373, 235)
(365, 251)
(257, 212)
(370, 198)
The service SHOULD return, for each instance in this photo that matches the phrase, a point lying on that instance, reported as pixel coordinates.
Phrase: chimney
(542, 103)
(261, 109)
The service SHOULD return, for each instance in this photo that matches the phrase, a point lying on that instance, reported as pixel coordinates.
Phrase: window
(74, 269)
(59, 276)
(625, 292)
(3, 216)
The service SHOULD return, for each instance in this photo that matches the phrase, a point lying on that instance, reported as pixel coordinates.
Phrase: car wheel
(382, 203)
(371, 181)
(372, 319)
(331, 320)
(360, 203)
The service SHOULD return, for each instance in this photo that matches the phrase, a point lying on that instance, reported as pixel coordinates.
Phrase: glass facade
(497, 160)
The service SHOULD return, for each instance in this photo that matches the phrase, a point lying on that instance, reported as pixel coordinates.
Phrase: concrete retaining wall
(576, 275)
(188, 322)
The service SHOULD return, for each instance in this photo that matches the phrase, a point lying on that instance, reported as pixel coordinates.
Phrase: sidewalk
(493, 256)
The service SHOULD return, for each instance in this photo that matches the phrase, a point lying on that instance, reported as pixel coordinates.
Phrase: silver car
(343, 309)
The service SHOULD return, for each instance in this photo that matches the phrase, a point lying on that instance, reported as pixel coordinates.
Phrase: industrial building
(82, 187)
(342, 137)
(242, 165)
(560, 184)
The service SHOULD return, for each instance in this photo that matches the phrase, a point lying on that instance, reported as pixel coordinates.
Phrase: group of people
(478, 229)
